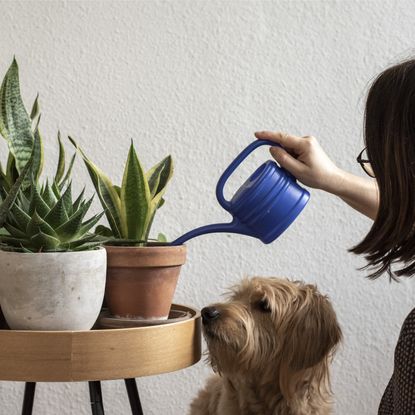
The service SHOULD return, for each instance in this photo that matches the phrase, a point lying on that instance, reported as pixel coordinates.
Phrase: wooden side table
(95, 355)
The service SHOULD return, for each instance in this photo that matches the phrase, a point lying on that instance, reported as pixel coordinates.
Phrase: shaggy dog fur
(271, 345)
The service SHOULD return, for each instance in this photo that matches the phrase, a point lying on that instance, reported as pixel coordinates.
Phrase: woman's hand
(304, 158)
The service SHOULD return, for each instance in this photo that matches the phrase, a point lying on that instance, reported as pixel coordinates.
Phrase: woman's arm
(306, 160)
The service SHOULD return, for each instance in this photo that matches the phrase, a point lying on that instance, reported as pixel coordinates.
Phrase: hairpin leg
(95, 393)
(133, 396)
(29, 396)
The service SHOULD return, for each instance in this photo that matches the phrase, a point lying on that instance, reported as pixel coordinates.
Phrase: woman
(388, 198)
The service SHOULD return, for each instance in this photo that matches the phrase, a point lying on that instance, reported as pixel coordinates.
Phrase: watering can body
(263, 207)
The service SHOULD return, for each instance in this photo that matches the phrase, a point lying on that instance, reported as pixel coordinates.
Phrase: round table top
(62, 356)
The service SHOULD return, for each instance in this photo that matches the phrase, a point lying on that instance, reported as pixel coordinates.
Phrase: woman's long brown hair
(390, 140)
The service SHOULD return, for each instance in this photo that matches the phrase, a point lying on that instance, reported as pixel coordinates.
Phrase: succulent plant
(36, 217)
(131, 207)
(46, 219)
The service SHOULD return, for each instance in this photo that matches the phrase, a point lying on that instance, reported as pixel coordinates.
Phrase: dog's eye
(263, 305)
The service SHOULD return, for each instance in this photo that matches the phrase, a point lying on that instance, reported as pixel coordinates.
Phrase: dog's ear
(313, 331)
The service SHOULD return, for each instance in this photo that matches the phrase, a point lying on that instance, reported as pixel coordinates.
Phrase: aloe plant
(36, 217)
(131, 207)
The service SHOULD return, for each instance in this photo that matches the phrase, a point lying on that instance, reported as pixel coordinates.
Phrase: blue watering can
(263, 207)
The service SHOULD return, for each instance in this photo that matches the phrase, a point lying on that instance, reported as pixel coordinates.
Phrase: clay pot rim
(145, 256)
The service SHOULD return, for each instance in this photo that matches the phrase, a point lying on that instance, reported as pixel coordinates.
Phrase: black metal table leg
(29, 396)
(95, 393)
(133, 396)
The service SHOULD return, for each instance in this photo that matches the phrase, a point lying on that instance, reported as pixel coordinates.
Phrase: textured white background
(196, 79)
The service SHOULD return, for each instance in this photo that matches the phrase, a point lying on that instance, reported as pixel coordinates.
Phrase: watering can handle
(231, 168)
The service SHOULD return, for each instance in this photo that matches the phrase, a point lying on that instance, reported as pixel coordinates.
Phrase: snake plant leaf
(15, 123)
(37, 155)
(68, 172)
(35, 109)
(60, 169)
(154, 181)
(37, 224)
(10, 198)
(135, 197)
(159, 175)
(11, 171)
(118, 190)
(45, 241)
(152, 211)
(108, 196)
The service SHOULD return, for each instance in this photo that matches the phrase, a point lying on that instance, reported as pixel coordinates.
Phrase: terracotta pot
(141, 281)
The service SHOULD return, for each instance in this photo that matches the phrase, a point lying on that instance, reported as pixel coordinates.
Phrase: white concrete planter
(52, 291)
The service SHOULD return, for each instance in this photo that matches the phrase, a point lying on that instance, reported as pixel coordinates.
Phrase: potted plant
(142, 274)
(52, 269)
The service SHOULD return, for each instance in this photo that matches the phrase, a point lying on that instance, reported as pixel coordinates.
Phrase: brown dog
(271, 345)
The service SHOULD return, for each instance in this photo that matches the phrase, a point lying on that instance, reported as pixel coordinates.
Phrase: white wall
(196, 79)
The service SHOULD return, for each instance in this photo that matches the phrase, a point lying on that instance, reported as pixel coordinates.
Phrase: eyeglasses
(363, 160)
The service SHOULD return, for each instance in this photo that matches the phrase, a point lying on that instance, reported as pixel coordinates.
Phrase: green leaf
(13, 231)
(68, 172)
(67, 200)
(135, 197)
(159, 175)
(60, 169)
(44, 242)
(103, 231)
(161, 237)
(57, 215)
(108, 196)
(20, 216)
(152, 212)
(78, 200)
(11, 172)
(11, 197)
(117, 189)
(71, 228)
(87, 225)
(37, 155)
(37, 204)
(82, 241)
(15, 124)
(11, 240)
(87, 246)
(35, 108)
(56, 190)
(48, 196)
(37, 224)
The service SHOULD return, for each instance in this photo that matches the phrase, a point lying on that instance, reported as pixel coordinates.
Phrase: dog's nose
(209, 314)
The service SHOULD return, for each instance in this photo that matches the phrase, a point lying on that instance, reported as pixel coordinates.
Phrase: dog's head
(273, 327)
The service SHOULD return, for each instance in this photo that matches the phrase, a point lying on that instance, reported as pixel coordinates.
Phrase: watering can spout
(233, 227)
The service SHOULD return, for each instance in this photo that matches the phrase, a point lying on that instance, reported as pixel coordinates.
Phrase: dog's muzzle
(209, 314)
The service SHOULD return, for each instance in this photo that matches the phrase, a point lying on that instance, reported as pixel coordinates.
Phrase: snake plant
(36, 217)
(131, 207)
